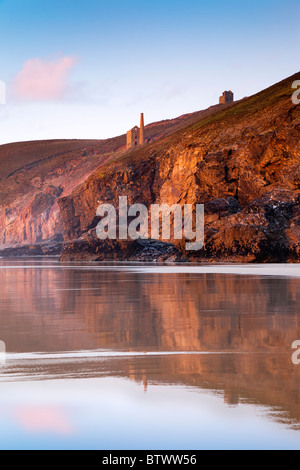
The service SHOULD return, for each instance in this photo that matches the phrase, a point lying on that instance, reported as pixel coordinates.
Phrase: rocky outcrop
(51, 248)
(92, 249)
(261, 232)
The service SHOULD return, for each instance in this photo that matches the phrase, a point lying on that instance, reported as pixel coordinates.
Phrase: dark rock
(92, 249)
(44, 249)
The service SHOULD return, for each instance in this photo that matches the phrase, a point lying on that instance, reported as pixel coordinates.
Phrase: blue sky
(78, 69)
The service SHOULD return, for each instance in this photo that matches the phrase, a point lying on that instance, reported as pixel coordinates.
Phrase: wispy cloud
(41, 80)
(168, 91)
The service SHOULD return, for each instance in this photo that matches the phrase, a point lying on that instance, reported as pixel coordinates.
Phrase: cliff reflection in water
(249, 321)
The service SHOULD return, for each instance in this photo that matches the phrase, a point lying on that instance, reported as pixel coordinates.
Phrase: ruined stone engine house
(135, 136)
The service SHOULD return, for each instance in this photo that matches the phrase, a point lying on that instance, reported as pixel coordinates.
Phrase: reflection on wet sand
(247, 324)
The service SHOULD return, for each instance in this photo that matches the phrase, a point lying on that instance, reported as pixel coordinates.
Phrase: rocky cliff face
(241, 162)
(33, 175)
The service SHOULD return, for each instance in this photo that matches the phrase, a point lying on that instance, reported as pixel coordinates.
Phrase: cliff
(241, 160)
(33, 175)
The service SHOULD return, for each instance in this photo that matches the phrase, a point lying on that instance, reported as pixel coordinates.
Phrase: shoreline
(139, 267)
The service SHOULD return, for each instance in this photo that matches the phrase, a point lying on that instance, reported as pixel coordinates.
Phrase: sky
(87, 69)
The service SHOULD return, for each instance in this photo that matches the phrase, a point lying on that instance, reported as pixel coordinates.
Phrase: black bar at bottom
(138, 459)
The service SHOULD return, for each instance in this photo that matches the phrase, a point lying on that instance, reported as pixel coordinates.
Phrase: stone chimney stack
(142, 137)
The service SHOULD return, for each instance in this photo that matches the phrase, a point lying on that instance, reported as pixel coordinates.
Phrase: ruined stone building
(136, 136)
(227, 97)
